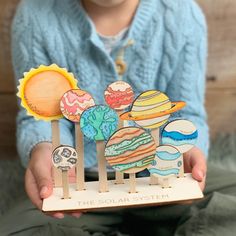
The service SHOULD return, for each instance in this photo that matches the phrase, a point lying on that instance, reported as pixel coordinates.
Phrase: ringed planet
(151, 109)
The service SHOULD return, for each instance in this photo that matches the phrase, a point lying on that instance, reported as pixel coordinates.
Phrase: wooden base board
(182, 189)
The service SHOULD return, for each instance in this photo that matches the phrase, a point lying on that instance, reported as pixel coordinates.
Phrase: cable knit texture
(168, 54)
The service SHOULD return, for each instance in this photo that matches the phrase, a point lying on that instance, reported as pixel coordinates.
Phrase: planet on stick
(130, 150)
(98, 122)
(151, 109)
(64, 157)
(119, 95)
(167, 162)
(74, 102)
(181, 134)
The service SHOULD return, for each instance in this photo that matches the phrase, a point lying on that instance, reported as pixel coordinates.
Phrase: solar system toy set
(49, 92)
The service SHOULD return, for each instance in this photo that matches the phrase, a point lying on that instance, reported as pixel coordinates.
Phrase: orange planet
(41, 90)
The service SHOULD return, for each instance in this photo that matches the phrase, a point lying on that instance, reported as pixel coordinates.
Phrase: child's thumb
(44, 181)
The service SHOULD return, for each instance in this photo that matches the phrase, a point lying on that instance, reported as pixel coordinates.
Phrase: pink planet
(74, 102)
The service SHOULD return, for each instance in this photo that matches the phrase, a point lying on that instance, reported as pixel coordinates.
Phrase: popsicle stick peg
(102, 172)
(57, 176)
(65, 184)
(80, 183)
(132, 181)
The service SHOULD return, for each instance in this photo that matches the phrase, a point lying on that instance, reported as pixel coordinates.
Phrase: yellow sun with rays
(41, 90)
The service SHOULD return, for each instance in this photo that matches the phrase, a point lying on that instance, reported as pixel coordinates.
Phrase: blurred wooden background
(221, 83)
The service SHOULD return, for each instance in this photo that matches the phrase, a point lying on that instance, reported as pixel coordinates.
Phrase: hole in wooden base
(106, 191)
(65, 198)
(165, 187)
(118, 183)
(78, 190)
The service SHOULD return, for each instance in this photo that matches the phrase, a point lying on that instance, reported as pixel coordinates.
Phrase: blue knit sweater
(168, 54)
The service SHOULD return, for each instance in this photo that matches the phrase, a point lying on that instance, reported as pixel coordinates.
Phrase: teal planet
(99, 122)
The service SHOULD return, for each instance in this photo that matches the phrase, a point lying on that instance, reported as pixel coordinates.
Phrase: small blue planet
(167, 162)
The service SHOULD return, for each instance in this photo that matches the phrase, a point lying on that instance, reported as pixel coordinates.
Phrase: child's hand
(195, 162)
(38, 177)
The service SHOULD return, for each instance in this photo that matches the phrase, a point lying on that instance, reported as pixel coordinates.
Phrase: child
(151, 44)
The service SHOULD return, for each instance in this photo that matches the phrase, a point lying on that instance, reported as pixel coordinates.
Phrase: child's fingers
(42, 174)
(76, 214)
(58, 215)
(61, 215)
(199, 167)
(32, 189)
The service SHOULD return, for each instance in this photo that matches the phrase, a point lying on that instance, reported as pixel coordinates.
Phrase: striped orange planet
(130, 150)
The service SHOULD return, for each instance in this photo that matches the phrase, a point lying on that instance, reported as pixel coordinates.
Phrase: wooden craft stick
(57, 177)
(181, 171)
(102, 172)
(153, 180)
(119, 176)
(156, 136)
(165, 183)
(79, 141)
(65, 184)
(132, 181)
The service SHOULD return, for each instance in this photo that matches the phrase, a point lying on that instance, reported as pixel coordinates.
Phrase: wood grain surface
(7, 10)
(221, 74)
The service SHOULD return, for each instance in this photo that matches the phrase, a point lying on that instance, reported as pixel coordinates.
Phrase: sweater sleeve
(188, 80)
(28, 52)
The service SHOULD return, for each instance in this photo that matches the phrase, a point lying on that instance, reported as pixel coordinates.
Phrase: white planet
(167, 162)
(64, 157)
(181, 134)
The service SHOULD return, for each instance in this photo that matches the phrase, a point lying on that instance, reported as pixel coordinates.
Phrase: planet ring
(175, 106)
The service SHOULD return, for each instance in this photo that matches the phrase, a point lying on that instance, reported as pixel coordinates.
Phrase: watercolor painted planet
(41, 90)
(181, 134)
(167, 162)
(119, 95)
(74, 102)
(152, 109)
(64, 157)
(130, 150)
(98, 122)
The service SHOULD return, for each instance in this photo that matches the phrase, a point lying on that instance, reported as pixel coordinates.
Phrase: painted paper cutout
(74, 102)
(119, 95)
(98, 122)
(181, 134)
(152, 109)
(167, 162)
(64, 157)
(130, 150)
(41, 90)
